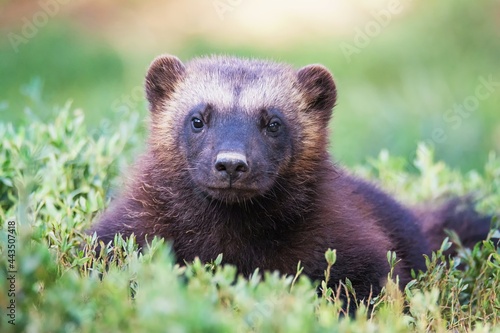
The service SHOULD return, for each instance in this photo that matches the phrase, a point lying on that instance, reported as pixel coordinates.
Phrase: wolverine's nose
(231, 163)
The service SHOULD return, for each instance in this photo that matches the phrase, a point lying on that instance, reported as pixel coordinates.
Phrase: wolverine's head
(234, 126)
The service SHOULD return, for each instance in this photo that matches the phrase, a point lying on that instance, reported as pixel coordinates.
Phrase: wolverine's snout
(231, 164)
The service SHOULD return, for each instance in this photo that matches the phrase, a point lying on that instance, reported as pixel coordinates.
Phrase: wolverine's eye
(274, 126)
(197, 124)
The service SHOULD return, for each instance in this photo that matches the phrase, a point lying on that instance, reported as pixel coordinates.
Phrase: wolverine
(237, 163)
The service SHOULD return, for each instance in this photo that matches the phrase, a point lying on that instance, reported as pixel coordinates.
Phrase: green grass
(57, 175)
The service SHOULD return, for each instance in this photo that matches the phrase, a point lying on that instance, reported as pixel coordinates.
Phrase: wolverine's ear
(163, 74)
(318, 88)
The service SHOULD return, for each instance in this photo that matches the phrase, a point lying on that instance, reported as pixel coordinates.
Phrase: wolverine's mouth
(231, 193)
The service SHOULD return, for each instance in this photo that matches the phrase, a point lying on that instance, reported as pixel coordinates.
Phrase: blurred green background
(406, 71)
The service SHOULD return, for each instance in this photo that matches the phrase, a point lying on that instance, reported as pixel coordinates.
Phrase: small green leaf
(331, 256)
(218, 260)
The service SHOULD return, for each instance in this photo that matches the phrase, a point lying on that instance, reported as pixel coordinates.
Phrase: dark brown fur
(290, 205)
